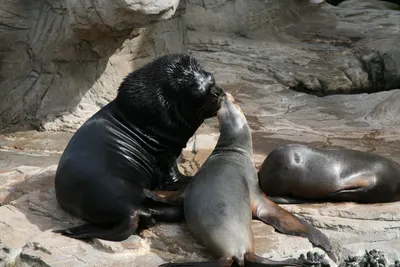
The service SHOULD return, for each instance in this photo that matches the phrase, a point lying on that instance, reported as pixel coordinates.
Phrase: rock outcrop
(63, 60)
(67, 58)
(317, 49)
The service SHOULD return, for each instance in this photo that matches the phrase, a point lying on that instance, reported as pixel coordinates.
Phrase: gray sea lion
(337, 2)
(224, 196)
(131, 144)
(298, 173)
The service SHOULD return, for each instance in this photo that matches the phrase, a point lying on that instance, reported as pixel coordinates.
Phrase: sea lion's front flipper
(165, 206)
(283, 221)
(355, 189)
(289, 200)
(118, 232)
(252, 260)
(176, 179)
(172, 198)
(217, 263)
(168, 213)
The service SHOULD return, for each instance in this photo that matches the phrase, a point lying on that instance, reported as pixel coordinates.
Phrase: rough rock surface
(29, 211)
(66, 58)
(62, 61)
(319, 49)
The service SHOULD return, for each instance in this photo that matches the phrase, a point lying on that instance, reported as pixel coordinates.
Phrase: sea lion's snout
(217, 91)
(229, 97)
(224, 100)
(229, 105)
(214, 99)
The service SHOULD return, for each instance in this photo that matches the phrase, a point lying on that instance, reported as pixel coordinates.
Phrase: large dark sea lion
(131, 144)
(224, 196)
(298, 173)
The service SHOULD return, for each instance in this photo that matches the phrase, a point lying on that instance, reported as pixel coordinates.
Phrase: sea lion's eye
(212, 83)
(210, 86)
(211, 79)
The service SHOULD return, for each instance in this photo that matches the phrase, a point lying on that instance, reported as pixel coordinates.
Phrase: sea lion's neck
(234, 130)
(238, 140)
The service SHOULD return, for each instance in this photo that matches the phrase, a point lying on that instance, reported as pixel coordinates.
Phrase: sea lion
(296, 173)
(132, 143)
(337, 2)
(224, 196)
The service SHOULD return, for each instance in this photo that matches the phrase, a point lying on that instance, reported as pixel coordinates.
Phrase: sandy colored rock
(50, 250)
(24, 179)
(26, 223)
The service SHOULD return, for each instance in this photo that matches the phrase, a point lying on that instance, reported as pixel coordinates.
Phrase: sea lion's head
(233, 125)
(230, 113)
(172, 94)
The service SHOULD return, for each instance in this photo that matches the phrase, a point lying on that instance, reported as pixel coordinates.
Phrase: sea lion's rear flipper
(252, 260)
(217, 263)
(283, 221)
(165, 197)
(119, 232)
(355, 189)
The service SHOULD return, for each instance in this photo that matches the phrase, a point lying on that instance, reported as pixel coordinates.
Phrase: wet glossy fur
(299, 173)
(131, 144)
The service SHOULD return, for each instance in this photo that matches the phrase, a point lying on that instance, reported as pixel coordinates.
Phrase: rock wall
(60, 61)
(319, 49)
